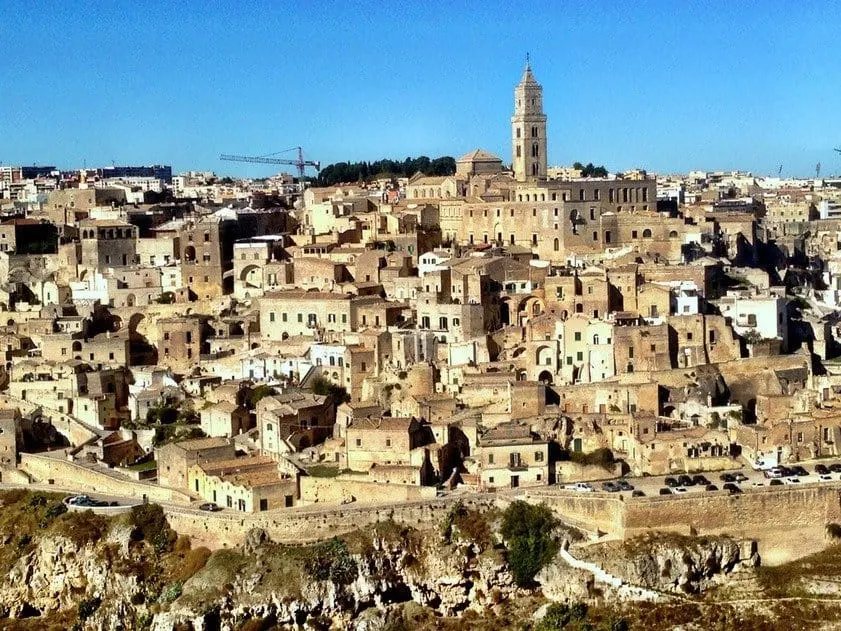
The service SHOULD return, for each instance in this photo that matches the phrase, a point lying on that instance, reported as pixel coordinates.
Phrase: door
(515, 481)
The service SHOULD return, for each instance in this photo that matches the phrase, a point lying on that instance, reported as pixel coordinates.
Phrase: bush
(559, 615)
(332, 561)
(150, 525)
(600, 457)
(528, 531)
(467, 524)
(88, 607)
(259, 393)
(55, 510)
(171, 593)
(194, 560)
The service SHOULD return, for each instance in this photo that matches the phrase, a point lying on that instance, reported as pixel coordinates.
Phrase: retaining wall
(74, 477)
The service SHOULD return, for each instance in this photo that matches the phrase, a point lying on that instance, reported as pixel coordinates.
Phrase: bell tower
(528, 130)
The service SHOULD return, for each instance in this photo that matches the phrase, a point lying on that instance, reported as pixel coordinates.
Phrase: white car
(679, 489)
(825, 477)
(580, 487)
(791, 480)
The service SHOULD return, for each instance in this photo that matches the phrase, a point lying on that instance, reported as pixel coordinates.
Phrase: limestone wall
(769, 508)
(590, 511)
(346, 488)
(305, 524)
(74, 477)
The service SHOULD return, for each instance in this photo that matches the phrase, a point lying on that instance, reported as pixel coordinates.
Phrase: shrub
(150, 525)
(55, 510)
(467, 524)
(193, 561)
(259, 393)
(559, 615)
(171, 593)
(332, 561)
(600, 457)
(88, 607)
(528, 531)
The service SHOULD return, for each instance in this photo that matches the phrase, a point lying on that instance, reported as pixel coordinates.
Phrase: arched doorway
(545, 377)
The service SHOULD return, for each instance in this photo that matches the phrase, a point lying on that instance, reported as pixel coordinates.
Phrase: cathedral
(484, 204)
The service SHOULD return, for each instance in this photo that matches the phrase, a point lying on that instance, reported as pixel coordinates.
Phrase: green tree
(528, 529)
(324, 387)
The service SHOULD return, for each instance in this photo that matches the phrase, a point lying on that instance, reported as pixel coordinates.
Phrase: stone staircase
(623, 589)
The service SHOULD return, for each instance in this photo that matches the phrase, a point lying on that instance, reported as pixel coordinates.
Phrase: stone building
(180, 342)
(175, 459)
(510, 456)
(250, 484)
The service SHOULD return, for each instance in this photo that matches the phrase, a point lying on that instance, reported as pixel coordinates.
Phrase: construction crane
(268, 159)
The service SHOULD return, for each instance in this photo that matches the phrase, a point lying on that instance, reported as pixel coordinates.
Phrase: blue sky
(664, 85)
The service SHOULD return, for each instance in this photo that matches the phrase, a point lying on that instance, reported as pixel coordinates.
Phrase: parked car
(791, 480)
(835, 468)
(774, 472)
(665, 491)
(825, 477)
(711, 487)
(700, 480)
(727, 477)
(733, 488)
(821, 469)
(685, 480)
(81, 500)
(775, 482)
(210, 507)
(786, 471)
(799, 471)
(580, 487)
(610, 487)
(740, 477)
(680, 489)
(670, 482)
(637, 493)
(625, 485)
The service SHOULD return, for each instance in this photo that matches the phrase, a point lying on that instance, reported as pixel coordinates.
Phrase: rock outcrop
(672, 563)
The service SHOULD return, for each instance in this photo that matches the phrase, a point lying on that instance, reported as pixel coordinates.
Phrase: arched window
(673, 234)
(646, 234)
(596, 340)
(557, 245)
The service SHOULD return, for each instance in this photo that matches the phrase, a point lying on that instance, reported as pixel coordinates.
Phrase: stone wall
(74, 477)
(346, 488)
(769, 508)
(306, 524)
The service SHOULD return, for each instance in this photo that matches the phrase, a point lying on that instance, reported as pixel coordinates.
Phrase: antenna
(780, 170)
(817, 170)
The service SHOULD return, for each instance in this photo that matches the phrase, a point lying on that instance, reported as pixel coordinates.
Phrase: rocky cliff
(671, 563)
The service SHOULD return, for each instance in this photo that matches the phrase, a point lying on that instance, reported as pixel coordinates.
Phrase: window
(646, 234)
(689, 336)
(269, 427)
(534, 239)
(538, 456)
(579, 356)
(631, 352)
(388, 442)
(578, 336)
(289, 501)
(490, 458)
(607, 236)
(592, 213)
(271, 316)
(206, 237)
(654, 348)
(595, 236)
(634, 234)
(358, 442)
(581, 194)
(300, 317)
